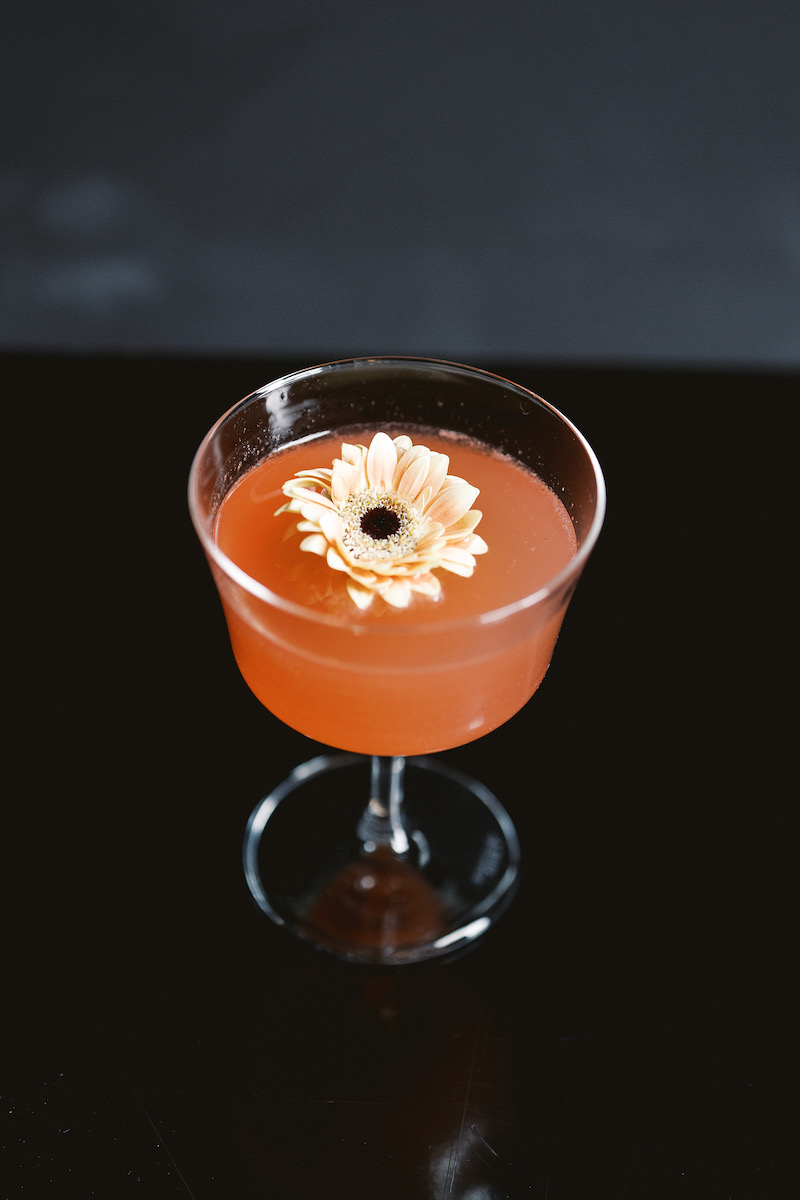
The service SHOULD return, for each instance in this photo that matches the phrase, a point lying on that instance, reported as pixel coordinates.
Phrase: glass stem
(382, 822)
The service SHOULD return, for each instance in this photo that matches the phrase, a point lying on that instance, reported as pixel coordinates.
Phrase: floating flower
(387, 516)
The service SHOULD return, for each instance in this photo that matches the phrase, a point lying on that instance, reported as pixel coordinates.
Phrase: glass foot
(309, 871)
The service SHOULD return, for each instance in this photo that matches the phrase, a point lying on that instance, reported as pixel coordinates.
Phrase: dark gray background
(574, 181)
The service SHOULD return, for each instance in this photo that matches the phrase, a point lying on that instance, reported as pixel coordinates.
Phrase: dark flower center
(379, 523)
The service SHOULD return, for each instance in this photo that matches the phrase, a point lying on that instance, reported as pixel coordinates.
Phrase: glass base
(308, 871)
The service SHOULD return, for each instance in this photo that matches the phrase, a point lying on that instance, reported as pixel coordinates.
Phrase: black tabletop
(629, 1028)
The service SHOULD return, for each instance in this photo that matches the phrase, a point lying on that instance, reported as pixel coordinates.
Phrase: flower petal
(438, 466)
(381, 462)
(361, 596)
(313, 512)
(320, 478)
(455, 498)
(459, 561)
(335, 560)
(426, 585)
(345, 481)
(431, 537)
(409, 478)
(315, 544)
(306, 495)
(398, 593)
(464, 525)
(367, 579)
(331, 525)
(406, 457)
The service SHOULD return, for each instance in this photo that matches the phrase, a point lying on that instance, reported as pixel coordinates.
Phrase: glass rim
(261, 592)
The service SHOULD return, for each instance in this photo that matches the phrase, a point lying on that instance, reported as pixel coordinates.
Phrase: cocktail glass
(381, 853)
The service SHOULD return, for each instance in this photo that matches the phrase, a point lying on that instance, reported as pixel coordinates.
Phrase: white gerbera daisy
(387, 516)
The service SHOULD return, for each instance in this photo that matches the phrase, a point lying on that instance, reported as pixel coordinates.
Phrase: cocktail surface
(528, 531)
(395, 681)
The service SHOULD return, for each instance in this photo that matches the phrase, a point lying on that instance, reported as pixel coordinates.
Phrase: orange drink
(438, 673)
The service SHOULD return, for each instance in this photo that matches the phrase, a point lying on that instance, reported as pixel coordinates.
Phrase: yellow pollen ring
(357, 539)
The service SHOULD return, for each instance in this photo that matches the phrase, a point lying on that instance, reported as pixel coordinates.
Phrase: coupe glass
(381, 853)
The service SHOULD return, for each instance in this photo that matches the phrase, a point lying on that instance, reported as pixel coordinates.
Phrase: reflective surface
(630, 1027)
